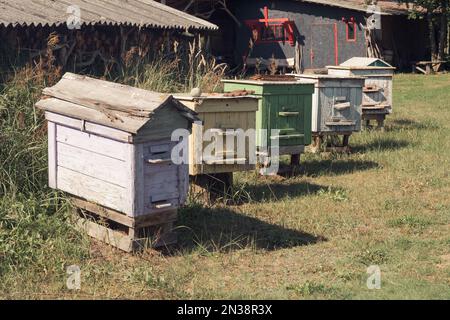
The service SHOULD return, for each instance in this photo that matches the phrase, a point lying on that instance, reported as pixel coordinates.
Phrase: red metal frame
(266, 22)
(336, 45)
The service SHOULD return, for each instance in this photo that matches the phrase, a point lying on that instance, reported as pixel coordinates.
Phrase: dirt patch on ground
(445, 261)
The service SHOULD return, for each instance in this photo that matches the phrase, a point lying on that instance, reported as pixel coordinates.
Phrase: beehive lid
(326, 76)
(106, 103)
(363, 63)
(214, 96)
(264, 82)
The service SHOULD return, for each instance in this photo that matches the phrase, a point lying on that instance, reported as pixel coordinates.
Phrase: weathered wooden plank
(112, 237)
(94, 165)
(133, 178)
(88, 127)
(110, 94)
(117, 120)
(52, 155)
(90, 142)
(92, 189)
(155, 219)
(103, 212)
(221, 105)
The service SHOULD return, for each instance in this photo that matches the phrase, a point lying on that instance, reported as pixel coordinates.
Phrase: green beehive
(284, 105)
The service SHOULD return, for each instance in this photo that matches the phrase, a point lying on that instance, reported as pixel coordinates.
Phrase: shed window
(273, 33)
(351, 31)
(269, 30)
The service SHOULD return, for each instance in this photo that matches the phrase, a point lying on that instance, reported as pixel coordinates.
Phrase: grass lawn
(308, 237)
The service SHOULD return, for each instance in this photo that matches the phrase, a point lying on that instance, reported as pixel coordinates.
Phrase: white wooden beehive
(337, 102)
(110, 144)
(378, 74)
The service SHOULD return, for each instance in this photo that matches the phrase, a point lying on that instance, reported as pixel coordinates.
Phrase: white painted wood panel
(52, 155)
(93, 164)
(90, 142)
(94, 190)
(88, 127)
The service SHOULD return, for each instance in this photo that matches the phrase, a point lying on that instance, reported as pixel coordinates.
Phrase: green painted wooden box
(283, 105)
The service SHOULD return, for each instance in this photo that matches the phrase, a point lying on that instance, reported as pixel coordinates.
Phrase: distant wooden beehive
(336, 103)
(220, 114)
(377, 91)
(111, 144)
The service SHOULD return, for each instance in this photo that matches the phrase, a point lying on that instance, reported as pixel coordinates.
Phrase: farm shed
(377, 90)
(305, 34)
(82, 34)
(283, 105)
(109, 145)
(223, 116)
(336, 108)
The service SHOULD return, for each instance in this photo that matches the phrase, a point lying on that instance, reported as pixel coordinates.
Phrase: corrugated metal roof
(141, 13)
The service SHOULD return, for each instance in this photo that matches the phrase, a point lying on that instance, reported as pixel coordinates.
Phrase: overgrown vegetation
(177, 73)
(35, 231)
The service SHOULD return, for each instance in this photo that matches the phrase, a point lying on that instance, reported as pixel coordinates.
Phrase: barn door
(324, 45)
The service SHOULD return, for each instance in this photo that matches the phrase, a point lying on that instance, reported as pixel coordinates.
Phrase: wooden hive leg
(295, 160)
(380, 122)
(345, 143)
(345, 140)
(317, 142)
(213, 186)
(166, 236)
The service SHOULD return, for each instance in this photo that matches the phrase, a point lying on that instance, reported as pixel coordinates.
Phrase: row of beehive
(111, 144)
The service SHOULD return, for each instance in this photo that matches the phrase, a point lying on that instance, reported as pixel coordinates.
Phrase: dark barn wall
(406, 38)
(96, 49)
(315, 25)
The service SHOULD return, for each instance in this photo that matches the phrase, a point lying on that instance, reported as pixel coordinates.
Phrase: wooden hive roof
(365, 62)
(106, 103)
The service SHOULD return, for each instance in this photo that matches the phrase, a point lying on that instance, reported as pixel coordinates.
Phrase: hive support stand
(378, 117)
(295, 160)
(320, 138)
(212, 187)
(125, 233)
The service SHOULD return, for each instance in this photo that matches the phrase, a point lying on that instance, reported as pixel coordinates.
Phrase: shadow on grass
(382, 144)
(277, 191)
(336, 167)
(224, 230)
(409, 124)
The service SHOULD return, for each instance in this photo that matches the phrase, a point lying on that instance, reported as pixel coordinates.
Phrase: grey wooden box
(111, 144)
(336, 104)
(377, 91)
